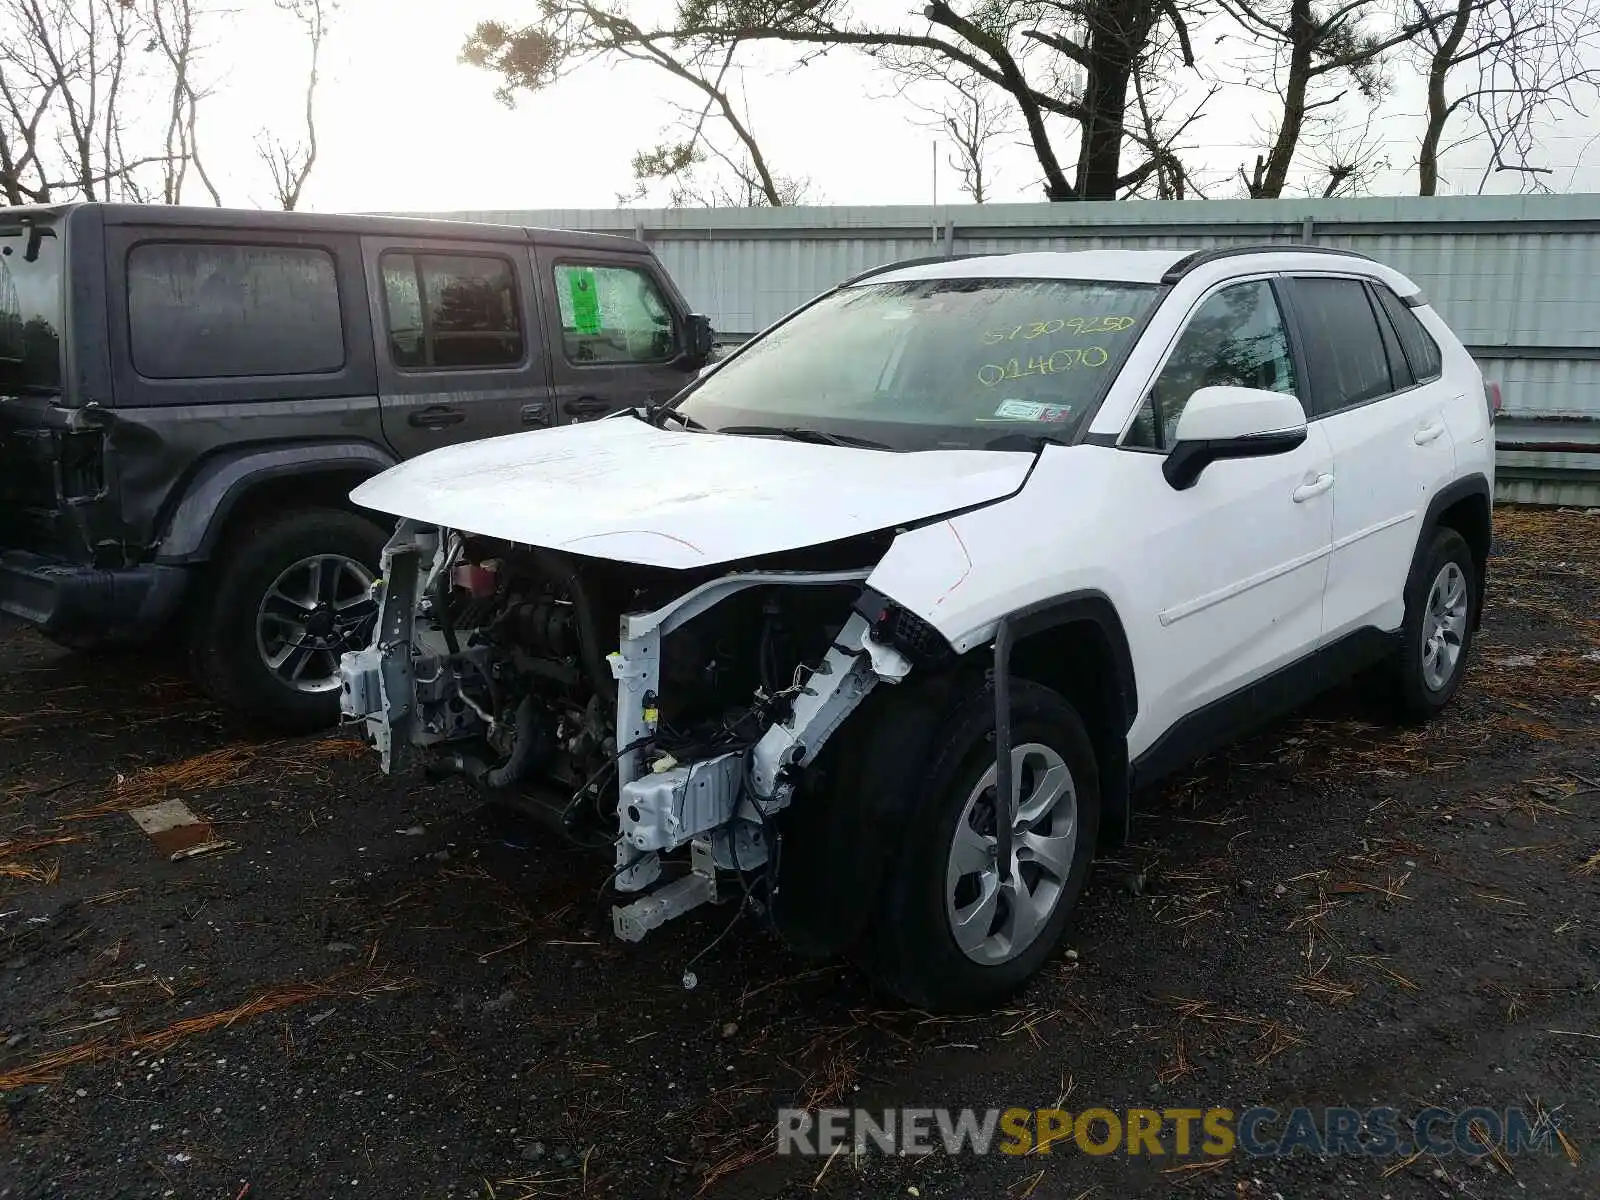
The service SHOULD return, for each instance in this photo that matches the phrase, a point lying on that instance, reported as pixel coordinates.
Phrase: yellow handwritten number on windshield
(990, 374)
(1081, 326)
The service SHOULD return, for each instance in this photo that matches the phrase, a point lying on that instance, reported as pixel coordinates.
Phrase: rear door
(459, 352)
(616, 337)
(33, 417)
(1391, 447)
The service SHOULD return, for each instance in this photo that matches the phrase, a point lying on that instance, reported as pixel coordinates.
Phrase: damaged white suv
(879, 624)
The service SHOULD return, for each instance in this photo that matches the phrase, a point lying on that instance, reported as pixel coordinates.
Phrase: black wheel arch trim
(190, 533)
(1446, 497)
(1095, 607)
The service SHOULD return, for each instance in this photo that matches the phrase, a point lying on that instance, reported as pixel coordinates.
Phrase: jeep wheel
(287, 599)
(953, 934)
(1441, 603)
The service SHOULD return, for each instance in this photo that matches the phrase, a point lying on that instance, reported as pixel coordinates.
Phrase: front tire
(286, 599)
(952, 935)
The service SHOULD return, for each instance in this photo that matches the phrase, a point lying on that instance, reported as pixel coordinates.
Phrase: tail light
(1491, 395)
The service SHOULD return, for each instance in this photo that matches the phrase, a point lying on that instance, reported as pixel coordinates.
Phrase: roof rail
(1200, 257)
(885, 268)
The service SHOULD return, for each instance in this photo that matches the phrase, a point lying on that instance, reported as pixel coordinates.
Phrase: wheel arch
(840, 833)
(1466, 506)
(237, 485)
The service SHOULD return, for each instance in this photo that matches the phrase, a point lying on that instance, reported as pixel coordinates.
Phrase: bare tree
(1312, 49)
(290, 163)
(76, 79)
(575, 33)
(972, 116)
(1054, 59)
(172, 25)
(1506, 66)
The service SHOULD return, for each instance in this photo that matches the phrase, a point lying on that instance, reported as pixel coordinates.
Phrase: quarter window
(1422, 352)
(1236, 338)
(613, 315)
(1343, 344)
(208, 311)
(451, 311)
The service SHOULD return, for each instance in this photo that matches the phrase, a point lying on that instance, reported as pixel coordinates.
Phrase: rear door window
(1344, 346)
(1421, 351)
(451, 311)
(612, 315)
(199, 310)
(30, 308)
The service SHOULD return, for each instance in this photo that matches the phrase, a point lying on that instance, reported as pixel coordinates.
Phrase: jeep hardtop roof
(374, 225)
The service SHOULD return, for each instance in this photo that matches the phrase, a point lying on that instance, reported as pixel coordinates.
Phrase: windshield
(30, 308)
(929, 364)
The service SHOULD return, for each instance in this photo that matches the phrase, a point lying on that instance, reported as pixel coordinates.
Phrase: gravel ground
(388, 989)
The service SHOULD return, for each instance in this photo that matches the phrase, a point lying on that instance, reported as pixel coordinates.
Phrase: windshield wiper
(1026, 441)
(799, 433)
(655, 414)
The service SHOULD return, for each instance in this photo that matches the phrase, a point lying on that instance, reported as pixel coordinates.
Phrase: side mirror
(698, 341)
(1232, 422)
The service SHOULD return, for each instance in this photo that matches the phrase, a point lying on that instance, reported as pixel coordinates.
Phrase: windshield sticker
(1030, 410)
(1066, 359)
(898, 314)
(1081, 326)
(585, 300)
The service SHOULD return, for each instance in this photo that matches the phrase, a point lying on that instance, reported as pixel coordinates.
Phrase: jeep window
(199, 310)
(613, 315)
(30, 308)
(1236, 338)
(933, 363)
(1422, 352)
(1344, 347)
(451, 312)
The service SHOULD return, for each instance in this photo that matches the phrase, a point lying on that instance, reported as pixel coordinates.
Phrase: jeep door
(1391, 447)
(617, 335)
(459, 351)
(1232, 568)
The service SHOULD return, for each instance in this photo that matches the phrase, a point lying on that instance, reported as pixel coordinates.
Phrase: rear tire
(283, 602)
(1426, 668)
(950, 937)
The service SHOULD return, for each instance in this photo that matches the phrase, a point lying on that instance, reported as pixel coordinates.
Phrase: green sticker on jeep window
(585, 299)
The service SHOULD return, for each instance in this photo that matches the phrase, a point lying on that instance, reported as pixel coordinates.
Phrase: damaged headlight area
(667, 713)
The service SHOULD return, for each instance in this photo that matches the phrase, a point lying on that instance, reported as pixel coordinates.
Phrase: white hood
(625, 490)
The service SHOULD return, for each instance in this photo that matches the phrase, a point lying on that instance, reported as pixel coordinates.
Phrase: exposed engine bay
(665, 712)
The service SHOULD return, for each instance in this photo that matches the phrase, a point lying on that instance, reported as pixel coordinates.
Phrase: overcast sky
(405, 126)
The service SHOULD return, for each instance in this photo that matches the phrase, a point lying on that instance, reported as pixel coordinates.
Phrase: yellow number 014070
(1062, 360)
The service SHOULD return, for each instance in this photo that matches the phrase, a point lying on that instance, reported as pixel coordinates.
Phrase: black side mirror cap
(699, 340)
(1182, 467)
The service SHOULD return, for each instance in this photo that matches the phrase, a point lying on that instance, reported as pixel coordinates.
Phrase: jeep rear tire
(285, 599)
(951, 935)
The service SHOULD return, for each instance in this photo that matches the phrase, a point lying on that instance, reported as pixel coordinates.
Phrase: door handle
(436, 416)
(589, 406)
(1428, 433)
(1314, 487)
(536, 415)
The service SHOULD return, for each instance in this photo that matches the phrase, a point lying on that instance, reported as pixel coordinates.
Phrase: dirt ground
(389, 990)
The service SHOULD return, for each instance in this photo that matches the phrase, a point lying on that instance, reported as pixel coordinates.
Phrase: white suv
(879, 624)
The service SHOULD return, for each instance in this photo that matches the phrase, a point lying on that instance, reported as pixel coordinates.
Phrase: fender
(222, 480)
(1475, 484)
(839, 835)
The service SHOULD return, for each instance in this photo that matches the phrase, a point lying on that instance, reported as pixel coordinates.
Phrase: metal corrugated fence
(1517, 277)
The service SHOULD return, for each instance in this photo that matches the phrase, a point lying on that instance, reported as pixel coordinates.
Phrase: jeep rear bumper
(62, 597)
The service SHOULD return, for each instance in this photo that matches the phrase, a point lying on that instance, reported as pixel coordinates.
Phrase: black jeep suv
(187, 397)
